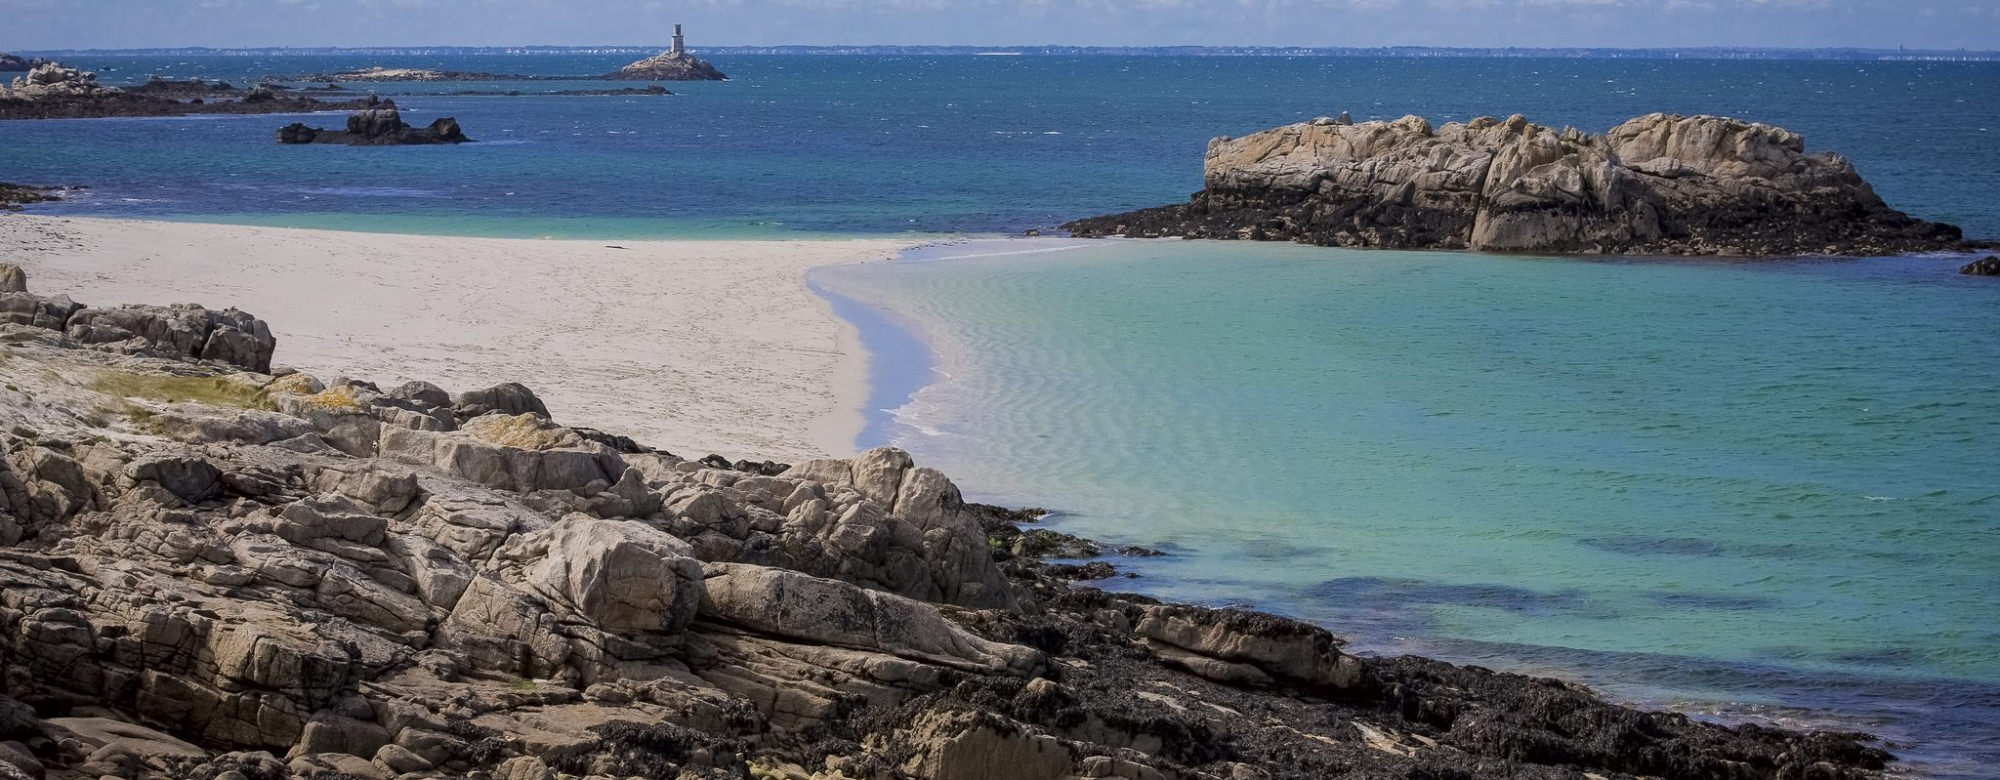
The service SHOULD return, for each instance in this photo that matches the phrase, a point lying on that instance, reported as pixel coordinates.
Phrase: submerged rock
(1985, 266)
(1659, 184)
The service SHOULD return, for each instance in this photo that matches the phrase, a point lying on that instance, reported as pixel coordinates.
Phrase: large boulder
(1985, 266)
(1658, 184)
(885, 522)
(624, 576)
(799, 606)
(1251, 648)
(511, 398)
(51, 313)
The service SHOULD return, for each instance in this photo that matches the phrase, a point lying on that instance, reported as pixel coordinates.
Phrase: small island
(674, 64)
(1656, 185)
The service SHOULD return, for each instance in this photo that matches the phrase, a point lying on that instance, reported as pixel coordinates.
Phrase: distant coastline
(1688, 53)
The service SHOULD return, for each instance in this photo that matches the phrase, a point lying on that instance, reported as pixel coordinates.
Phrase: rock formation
(381, 126)
(52, 80)
(191, 89)
(51, 91)
(15, 63)
(1659, 184)
(668, 66)
(210, 572)
(1985, 266)
(13, 196)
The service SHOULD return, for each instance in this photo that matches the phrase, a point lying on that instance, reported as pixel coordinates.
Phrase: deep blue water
(959, 144)
(1751, 490)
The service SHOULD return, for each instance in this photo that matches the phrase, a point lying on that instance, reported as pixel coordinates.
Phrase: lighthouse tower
(680, 44)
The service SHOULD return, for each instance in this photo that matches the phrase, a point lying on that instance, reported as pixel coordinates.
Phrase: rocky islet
(1657, 185)
(211, 567)
(379, 125)
(52, 91)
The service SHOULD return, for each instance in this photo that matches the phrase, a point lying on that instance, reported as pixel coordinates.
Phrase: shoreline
(855, 345)
(731, 355)
(1801, 701)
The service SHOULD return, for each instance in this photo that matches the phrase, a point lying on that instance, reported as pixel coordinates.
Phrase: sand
(690, 346)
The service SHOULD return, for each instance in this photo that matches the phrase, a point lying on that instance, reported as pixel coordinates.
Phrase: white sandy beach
(691, 346)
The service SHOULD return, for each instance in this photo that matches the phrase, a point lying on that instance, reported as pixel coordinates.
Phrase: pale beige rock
(961, 746)
(790, 604)
(625, 576)
(139, 740)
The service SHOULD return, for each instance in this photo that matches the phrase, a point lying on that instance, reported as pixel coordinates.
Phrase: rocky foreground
(1659, 184)
(51, 91)
(213, 569)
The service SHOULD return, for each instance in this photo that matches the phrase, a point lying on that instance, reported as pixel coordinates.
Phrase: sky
(1932, 24)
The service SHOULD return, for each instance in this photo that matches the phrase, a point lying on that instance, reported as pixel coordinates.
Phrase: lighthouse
(680, 44)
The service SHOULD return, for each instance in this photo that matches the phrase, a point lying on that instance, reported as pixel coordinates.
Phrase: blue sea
(1746, 490)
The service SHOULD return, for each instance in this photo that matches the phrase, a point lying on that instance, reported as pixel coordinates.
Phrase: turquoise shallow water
(1749, 489)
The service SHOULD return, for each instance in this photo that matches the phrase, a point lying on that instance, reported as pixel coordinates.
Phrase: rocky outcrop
(191, 89)
(229, 337)
(180, 331)
(1659, 184)
(14, 196)
(215, 573)
(668, 66)
(1985, 266)
(380, 126)
(17, 63)
(52, 91)
(51, 80)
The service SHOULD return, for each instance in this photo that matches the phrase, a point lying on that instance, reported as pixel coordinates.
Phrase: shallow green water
(1746, 488)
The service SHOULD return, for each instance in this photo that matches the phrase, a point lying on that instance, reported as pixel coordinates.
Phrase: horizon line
(1030, 47)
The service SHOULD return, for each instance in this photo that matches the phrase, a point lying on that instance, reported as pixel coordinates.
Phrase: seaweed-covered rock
(380, 126)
